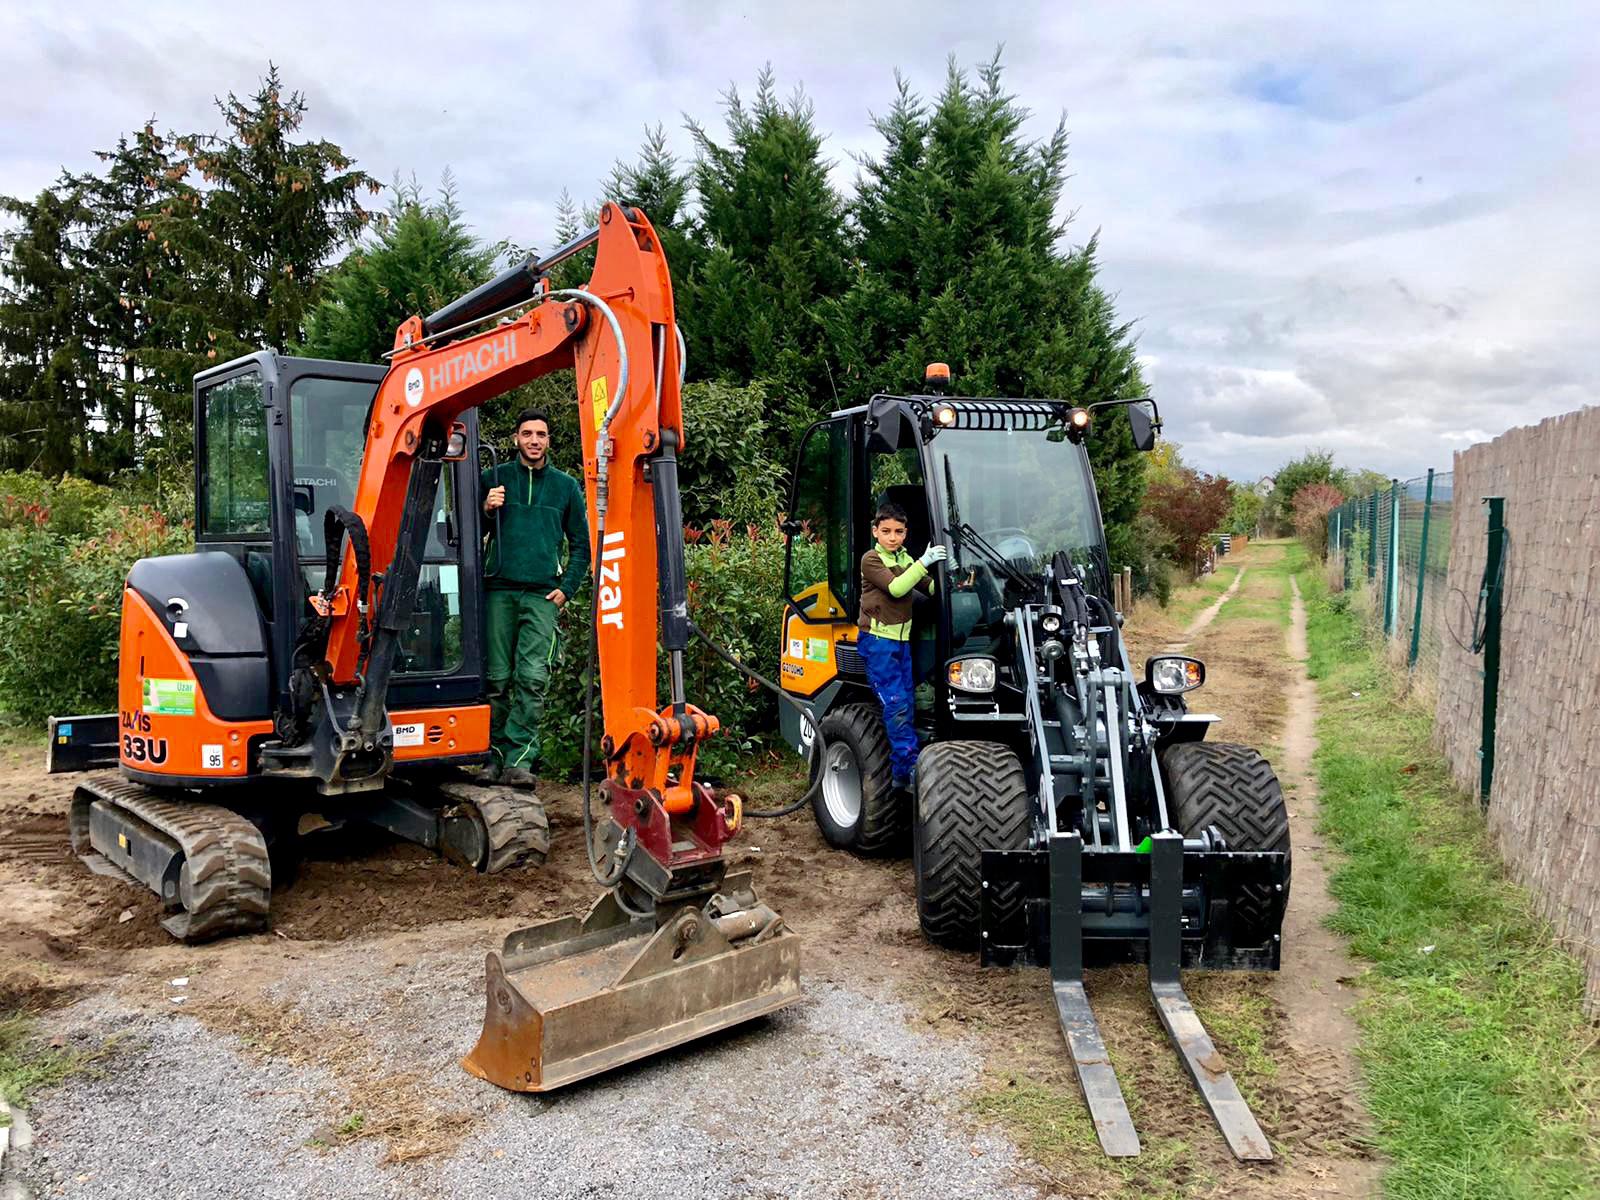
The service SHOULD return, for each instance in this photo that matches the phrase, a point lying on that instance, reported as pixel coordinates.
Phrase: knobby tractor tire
(971, 797)
(1234, 789)
(854, 734)
(516, 829)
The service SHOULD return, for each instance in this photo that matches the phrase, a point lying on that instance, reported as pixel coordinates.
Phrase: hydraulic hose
(818, 745)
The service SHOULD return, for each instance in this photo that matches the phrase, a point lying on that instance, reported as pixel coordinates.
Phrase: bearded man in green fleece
(543, 523)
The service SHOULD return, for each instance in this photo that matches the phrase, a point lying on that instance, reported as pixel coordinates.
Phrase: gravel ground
(833, 1097)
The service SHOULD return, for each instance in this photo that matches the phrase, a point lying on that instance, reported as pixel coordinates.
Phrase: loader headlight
(1172, 675)
(972, 674)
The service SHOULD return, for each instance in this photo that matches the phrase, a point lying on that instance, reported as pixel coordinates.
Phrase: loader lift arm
(620, 334)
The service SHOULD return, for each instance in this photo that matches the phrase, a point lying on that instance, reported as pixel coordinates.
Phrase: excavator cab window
(327, 421)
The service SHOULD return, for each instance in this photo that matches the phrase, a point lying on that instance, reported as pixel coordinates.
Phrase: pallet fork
(1176, 889)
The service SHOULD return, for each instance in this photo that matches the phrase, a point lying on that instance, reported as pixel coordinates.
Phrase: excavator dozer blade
(572, 998)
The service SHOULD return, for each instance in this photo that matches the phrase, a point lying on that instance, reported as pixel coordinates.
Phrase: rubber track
(885, 817)
(227, 882)
(971, 797)
(519, 830)
(1235, 789)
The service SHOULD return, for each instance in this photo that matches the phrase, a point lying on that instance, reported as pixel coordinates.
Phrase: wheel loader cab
(1000, 486)
(279, 441)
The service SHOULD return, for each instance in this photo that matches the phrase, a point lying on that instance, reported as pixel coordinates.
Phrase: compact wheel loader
(1065, 812)
(321, 654)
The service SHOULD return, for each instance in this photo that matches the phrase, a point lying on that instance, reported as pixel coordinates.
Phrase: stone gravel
(835, 1096)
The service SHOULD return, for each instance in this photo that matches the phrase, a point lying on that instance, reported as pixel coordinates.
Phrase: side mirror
(1143, 422)
(1144, 419)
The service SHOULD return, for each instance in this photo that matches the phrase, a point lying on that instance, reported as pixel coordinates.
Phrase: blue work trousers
(889, 671)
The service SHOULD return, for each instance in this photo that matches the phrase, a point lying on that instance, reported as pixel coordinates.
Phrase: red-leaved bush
(1191, 509)
(1312, 504)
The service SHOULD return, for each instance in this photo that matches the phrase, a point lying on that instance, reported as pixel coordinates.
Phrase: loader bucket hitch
(1155, 908)
(575, 997)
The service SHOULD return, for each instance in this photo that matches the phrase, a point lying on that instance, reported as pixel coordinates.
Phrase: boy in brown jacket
(890, 579)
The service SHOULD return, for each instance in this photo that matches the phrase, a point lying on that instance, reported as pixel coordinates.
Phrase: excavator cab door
(281, 439)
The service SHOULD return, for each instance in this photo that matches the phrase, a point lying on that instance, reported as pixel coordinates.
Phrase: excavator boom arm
(619, 333)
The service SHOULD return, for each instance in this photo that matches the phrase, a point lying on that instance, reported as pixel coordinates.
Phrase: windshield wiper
(961, 532)
(974, 540)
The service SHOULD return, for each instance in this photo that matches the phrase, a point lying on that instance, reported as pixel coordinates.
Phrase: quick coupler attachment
(1067, 906)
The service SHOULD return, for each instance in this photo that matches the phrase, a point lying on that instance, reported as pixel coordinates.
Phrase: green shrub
(735, 595)
(66, 506)
(65, 551)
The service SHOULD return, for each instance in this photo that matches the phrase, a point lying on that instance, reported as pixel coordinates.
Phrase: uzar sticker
(169, 697)
(408, 735)
(599, 400)
(797, 648)
(819, 650)
(414, 386)
(211, 758)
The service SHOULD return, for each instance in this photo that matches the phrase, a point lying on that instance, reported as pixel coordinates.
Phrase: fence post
(1422, 574)
(1489, 594)
(1391, 572)
(1372, 537)
(1344, 547)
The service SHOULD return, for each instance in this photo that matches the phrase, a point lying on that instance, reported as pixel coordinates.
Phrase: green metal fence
(1394, 546)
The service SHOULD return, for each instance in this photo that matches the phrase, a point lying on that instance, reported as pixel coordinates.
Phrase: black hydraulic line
(512, 286)
(817, 744)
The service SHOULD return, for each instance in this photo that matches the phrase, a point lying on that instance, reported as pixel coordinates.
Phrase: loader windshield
(1025, 494)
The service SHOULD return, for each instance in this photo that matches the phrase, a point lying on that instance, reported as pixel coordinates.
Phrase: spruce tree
(421, 257)
(123, 273)
(49, 373)
(962, 259)
(266, 215)
(775, 248)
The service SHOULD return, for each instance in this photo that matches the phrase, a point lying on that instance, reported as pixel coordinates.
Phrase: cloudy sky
(1371, 230)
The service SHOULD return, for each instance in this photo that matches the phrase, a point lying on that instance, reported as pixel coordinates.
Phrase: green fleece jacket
(544, 523)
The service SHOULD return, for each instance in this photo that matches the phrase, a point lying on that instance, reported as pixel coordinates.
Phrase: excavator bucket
(572, 998)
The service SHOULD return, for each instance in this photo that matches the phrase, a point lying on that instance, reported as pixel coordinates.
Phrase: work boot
(519, 777)
(489, 774)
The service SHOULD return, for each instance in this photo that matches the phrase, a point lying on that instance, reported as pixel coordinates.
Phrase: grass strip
(1481, 1071)
(27, 1065)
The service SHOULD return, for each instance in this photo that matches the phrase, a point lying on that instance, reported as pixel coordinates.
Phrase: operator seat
(914, 500)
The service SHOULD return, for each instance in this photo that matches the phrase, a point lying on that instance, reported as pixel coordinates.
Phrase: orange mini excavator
(321, 655)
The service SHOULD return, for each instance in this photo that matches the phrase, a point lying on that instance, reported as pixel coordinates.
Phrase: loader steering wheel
(1012, 542)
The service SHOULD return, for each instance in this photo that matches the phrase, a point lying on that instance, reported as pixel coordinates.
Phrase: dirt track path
(1310, 986)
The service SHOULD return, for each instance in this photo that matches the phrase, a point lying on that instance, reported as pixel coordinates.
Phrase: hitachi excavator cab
(278, 441)
(209, 646)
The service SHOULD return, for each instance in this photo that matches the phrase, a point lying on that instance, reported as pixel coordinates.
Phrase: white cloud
(1364, 228)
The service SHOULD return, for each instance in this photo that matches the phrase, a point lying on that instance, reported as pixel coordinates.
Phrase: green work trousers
(522, 646)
